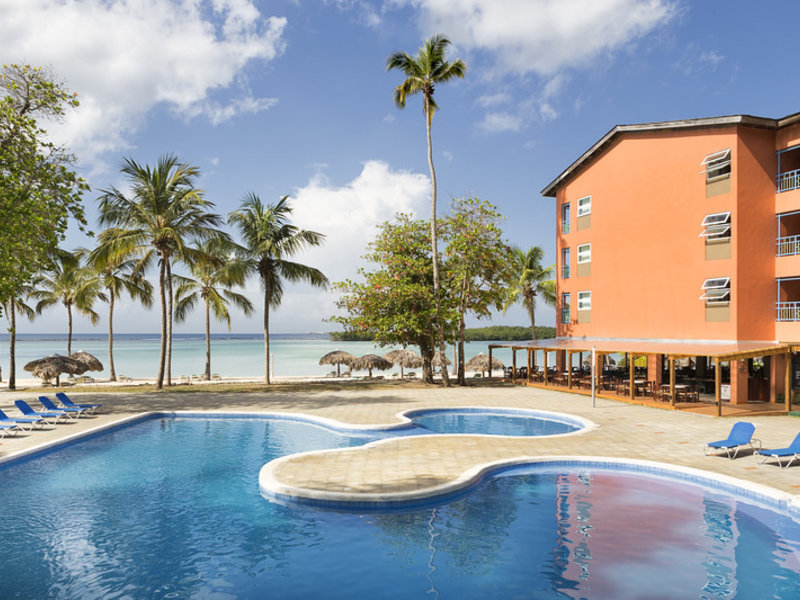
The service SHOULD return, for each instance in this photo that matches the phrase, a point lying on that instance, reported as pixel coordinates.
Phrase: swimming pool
(484, 421)
(170, 508)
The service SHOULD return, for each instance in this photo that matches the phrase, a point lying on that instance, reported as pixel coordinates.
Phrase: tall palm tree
(13, 306)
(423, 72)
(531, 280)
(163, 212)
(215, 273)
(268, 241)
(118, 275)
(67, 282)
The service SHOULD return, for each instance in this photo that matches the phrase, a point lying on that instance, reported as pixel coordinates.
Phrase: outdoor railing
(789, 245)
(788, 311)
(790, 180)
(565, 272)
(564, 226)
(565, 315)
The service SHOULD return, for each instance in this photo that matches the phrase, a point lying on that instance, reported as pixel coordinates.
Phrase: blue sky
(292, 97)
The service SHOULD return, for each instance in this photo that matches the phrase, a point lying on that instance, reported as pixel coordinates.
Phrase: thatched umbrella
(480, 362)
(404, 358)
(53, 366)
(337, 357)
(371, 361)
(89, 361)
(436, 361)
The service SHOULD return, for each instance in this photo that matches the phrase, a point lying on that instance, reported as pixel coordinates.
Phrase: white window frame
(584, 208)
(717, 226)
(585, 300)
(584, 254)
(715, 162)
(717, 290)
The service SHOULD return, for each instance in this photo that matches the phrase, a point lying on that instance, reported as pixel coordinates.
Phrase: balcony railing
(565, 315)
(790, 180)
(564, 226)
(788, 311)
(789, 245)
(565, 272)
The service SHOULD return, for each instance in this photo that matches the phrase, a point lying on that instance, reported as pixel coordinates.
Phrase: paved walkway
(413, 464)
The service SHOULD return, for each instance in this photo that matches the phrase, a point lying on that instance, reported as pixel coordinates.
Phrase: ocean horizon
(232, 354)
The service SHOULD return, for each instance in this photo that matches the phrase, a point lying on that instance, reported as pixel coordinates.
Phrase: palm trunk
(12, 345)
(266, 331)
(169, 324)
(208, 342)
(163, 356)
(529, 305)
(69, 335)
(112, 376)
(434, 243)
(462, 309)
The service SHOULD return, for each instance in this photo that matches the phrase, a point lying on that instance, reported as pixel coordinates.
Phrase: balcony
(789, 245)
(790, 180)
(788, 311)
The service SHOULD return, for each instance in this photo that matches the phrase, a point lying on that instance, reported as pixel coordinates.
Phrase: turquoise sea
(232, 355)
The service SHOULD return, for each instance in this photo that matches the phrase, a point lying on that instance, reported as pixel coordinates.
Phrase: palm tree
(16, 304)
(531, 280)
(269, 240)
(71, 285)
(117, 275)
(163, 212)
(423, 72)
(215, 272)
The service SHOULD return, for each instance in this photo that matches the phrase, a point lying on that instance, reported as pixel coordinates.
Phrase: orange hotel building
(682, 239)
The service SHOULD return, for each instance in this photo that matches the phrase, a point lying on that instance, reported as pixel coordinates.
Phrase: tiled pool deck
(412, 465)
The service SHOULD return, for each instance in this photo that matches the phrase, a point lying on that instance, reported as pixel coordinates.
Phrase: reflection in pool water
(170, 508)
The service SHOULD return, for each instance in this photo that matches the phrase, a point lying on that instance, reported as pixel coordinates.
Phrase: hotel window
(717, 226)
(584, 253)
(585, 206)
(565, 218)
(584, 301)
(565, 307)
(717, 290)
(718, 165)
(565, 263)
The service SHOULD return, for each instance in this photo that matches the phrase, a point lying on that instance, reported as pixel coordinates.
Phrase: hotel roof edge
(749, 120)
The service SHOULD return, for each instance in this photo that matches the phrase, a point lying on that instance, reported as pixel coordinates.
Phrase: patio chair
(6, 429)
(741, 435)
(66, 401)
(792, 452)
(21, 422)
(46, 416)
(72, 413)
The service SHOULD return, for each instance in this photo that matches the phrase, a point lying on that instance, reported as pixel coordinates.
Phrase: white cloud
(125, 57)
(493, 100)
(543, 36)
(499, 122)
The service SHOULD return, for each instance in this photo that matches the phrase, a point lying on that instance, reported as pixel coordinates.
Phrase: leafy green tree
(163, 213)
(214, 274)
(118, 275)
(269, 239)
(423, 73)
(14, 305)
(479, 264)
(531, 280)
(68, 283)
(39, 192)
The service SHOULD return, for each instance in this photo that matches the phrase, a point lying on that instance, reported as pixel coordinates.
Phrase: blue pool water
(492, 422)
(170, 508)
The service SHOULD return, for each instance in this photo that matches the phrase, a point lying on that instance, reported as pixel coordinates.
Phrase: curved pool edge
(276, 491)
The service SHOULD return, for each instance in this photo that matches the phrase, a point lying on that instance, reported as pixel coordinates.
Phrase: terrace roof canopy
(722, 351)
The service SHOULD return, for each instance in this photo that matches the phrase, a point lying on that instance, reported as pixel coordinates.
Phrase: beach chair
(792, 452)
(72, 413)
(21, 422)
(66, 401)
(741, 435)
(47, 417)
(6, 429)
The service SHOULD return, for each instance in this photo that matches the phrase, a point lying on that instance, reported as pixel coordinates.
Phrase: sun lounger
(66, 401)
(21, 422)
(48, 416)
(792, 452)
(6, 429)
(72, 413)
(741, 435)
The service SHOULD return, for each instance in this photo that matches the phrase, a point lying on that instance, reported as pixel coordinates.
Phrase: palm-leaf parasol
(53, 366)
(371, 361)
(480, 362)
(404, 358)
(337, 357)
(437, 360)
(88, 360)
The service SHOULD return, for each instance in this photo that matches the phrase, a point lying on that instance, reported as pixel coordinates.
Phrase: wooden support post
(632, 374)
(569, 369)
(787, 388)
(490, 362)
(672, 381)
(544, 366)
(718, 384)
(598, 360)
(514, 365)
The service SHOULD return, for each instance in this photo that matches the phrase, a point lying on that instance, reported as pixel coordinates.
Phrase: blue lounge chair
(792, 452)
(741, 435)
(48, 416)
(20, 422)
(48, 404)
(6, 429)
(65, 400)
